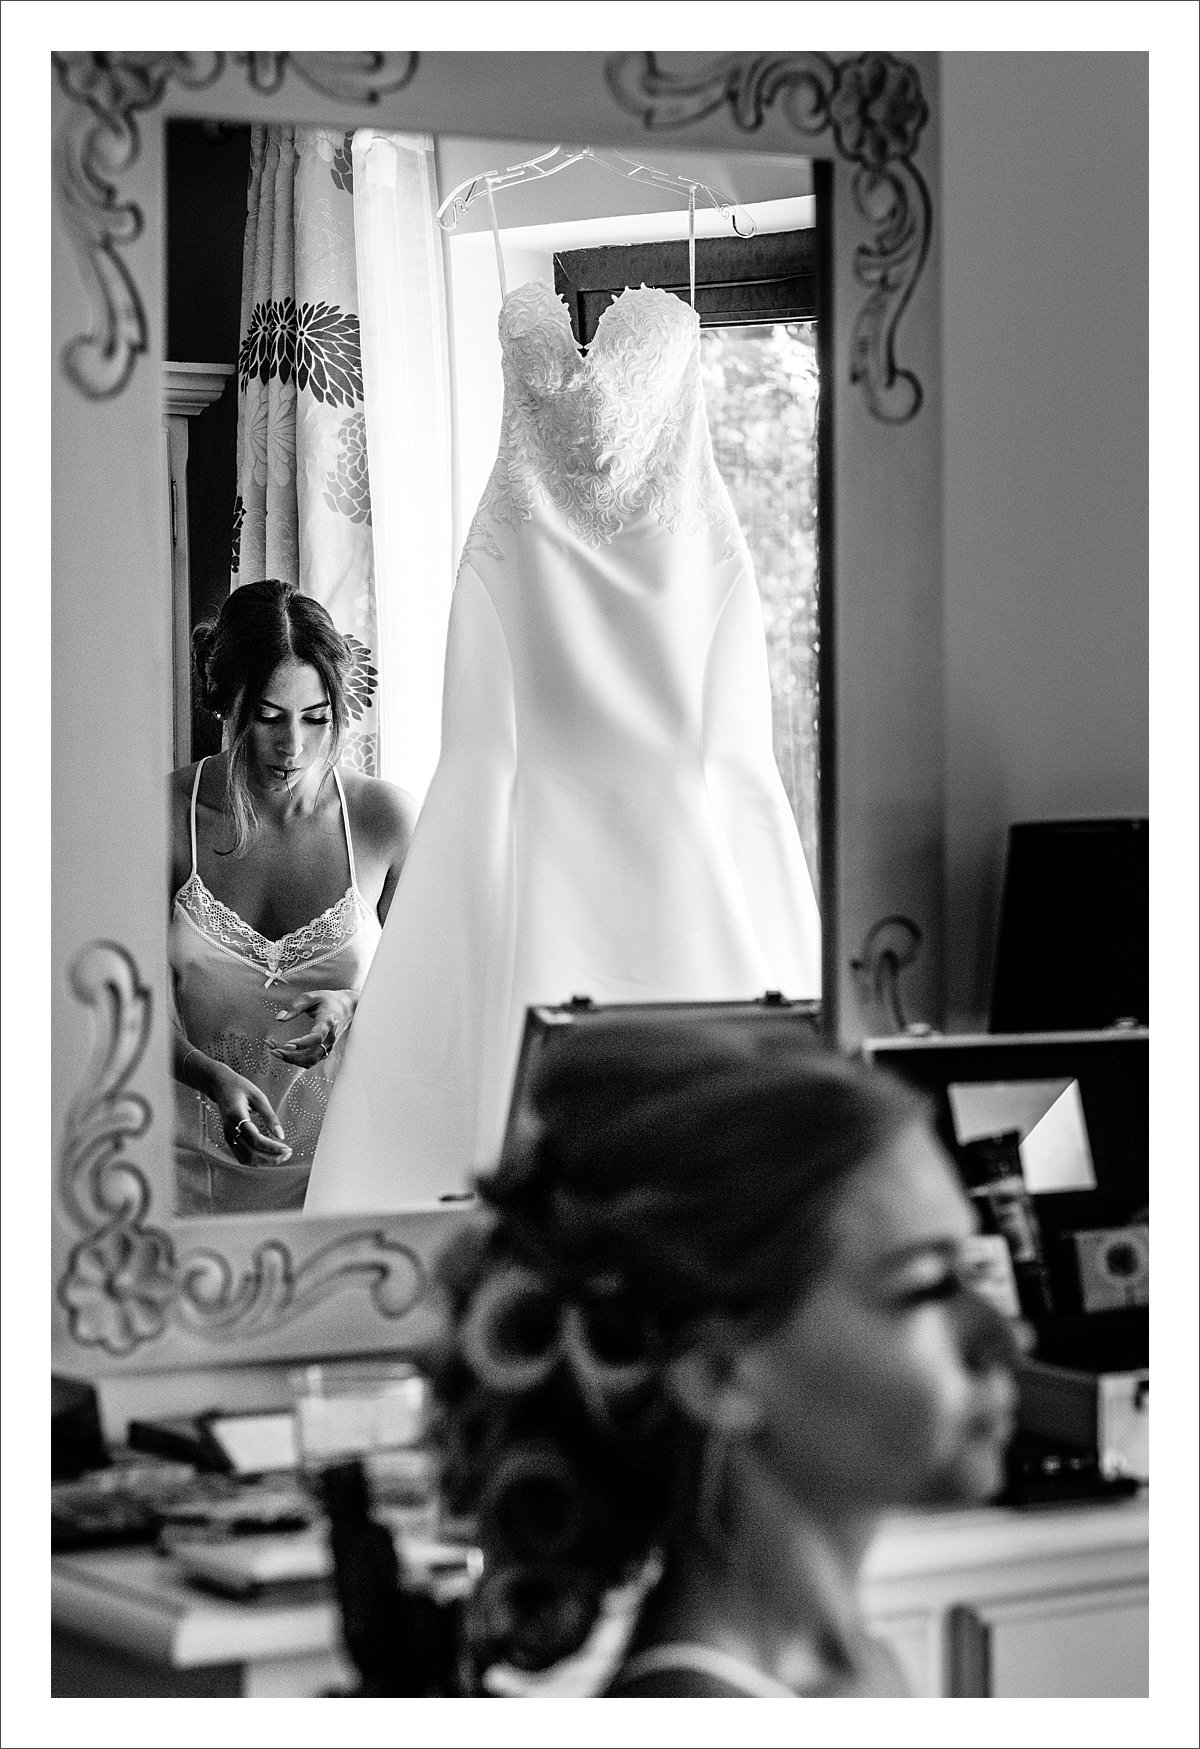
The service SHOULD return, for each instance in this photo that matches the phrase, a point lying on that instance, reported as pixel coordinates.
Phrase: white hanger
(562, 158)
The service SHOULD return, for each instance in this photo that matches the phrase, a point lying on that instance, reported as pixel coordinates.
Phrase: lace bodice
(307, 946)
(230, 987)
(607, 435)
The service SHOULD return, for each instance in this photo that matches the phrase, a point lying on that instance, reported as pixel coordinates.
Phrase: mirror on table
(530, 708)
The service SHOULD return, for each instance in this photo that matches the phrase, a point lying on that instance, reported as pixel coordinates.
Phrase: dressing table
(124, 1623)
(1041, 1601)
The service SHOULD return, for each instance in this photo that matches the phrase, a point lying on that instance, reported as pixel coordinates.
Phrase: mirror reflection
(496, 631)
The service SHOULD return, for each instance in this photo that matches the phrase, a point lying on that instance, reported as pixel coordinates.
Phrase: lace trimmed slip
(307, 946)
(229, 982)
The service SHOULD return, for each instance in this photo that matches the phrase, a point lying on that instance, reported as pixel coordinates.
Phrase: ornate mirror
(134, 1289)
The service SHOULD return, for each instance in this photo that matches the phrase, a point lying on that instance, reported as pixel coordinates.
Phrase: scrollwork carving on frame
(872, 105)
(357, 77)
(125, 1283)
(101, 141)
(891, 946)
(875, 110)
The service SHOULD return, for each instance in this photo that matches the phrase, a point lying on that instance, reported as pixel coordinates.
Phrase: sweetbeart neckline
(584, 352)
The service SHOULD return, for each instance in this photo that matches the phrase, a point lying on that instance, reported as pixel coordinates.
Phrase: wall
(207, 170)
(208, 167)
(598, 192)
(1044, 226)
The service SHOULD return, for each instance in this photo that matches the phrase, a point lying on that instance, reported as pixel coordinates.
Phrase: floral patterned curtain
(303, 510)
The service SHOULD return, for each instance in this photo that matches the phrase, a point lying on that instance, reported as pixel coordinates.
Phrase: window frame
(770, 277)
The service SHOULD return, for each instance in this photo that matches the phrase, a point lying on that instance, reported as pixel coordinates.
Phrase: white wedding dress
(606, 818)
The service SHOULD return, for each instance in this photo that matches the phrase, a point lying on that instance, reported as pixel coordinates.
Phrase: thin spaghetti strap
(692, 245)
(496, 240)
(346, 828)
(195, 792)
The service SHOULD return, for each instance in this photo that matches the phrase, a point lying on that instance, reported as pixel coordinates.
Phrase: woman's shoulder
(183, 778)
(181, 784)
(381, 813)
(181, 788)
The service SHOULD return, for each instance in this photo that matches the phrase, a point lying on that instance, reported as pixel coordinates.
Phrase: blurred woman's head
(698, 1239)
(888, 1383)
(273, 666)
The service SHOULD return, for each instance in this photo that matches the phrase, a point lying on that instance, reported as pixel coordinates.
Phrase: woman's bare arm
(383, 818)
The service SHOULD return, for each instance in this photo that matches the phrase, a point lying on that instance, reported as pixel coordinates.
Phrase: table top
(966, 1539)
(137, 1601)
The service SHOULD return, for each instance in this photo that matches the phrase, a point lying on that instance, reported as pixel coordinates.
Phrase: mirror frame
(133, 1290)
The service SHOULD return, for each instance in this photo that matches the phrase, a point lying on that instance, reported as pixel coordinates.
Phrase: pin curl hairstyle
(235, 653)
(665, 1174)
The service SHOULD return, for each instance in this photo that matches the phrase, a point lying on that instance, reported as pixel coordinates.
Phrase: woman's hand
(331, 1010)
(253, 1132)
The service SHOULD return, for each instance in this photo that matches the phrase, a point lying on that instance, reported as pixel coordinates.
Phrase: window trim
(770, 277)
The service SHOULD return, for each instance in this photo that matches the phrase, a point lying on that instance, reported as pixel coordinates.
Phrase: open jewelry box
(771, 1015)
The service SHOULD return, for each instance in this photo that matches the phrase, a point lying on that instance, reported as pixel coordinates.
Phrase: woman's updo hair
(664, 1173)
(235, 654)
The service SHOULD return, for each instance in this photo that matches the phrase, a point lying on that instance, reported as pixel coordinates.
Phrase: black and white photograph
(609, 620)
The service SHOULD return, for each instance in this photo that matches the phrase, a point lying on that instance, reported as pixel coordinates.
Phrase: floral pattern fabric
(318, 344)
(303, 507)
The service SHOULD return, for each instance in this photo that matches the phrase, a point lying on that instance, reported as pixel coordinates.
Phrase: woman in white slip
(283, 869)
(719, 1321)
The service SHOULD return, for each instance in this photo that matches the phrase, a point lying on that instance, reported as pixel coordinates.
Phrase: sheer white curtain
(406, 385)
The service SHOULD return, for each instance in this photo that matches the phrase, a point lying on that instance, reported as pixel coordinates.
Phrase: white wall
(1044, 231)
(590, 189)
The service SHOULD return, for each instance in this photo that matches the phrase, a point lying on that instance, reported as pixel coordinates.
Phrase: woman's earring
(713, 1486)
(736, 1419)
